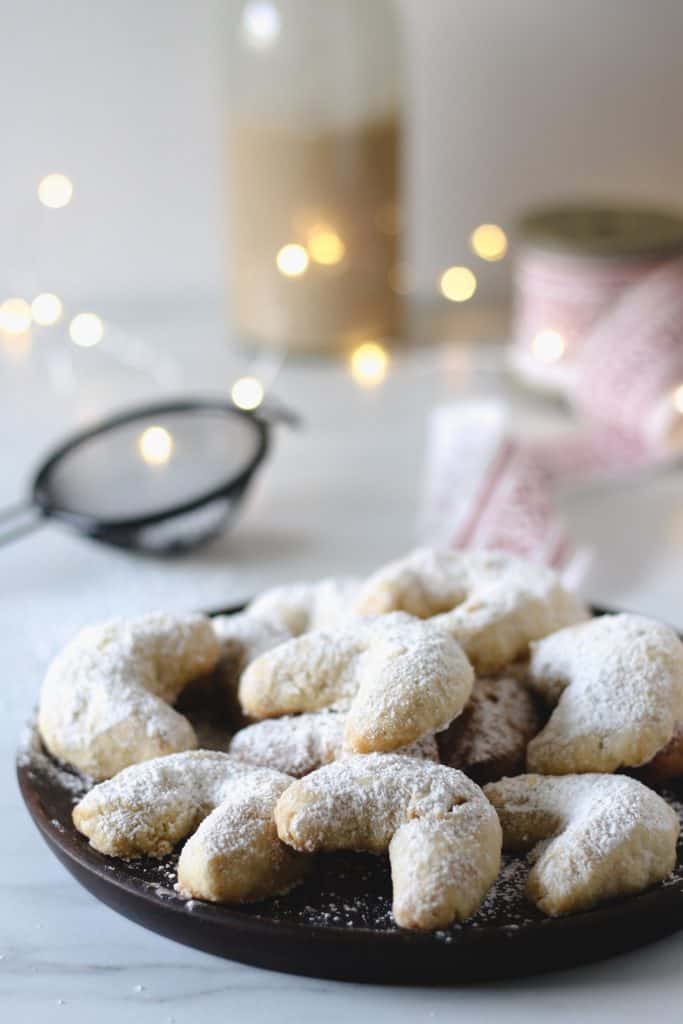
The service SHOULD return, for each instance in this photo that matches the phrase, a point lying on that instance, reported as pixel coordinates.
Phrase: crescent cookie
(105, 701)
(493, 603)
(399, 679)
(298, 744)
(443, 836)
(242, 637)
(617, 683)
(668, 762)
(490, 737)
(592, 837)
(300, 607)
(234, 854)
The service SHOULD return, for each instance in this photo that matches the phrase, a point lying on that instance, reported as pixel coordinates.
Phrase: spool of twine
(629, 370)
(574, 263)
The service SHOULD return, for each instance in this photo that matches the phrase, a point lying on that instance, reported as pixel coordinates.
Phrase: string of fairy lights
(368, 362)
(18, 314)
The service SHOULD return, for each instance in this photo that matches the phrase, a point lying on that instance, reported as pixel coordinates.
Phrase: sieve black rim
(100, 526)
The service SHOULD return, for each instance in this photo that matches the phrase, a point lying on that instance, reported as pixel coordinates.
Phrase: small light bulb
(325, 246)
(247, 393)
(15, 316)
(86, 330)
(489, 242)
(549, 346)
(55, 191)
(292, 260)
(261, 24)
(369, 364)
(677, 399)
(46, 309)
(155, 445)
(458, 284)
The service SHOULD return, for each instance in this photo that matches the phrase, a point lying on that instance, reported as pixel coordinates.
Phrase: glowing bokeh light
(15, 316)
(16, 347)
(55, 191)
(549, 346)
(677, 399)
(489, 242)
(325, 246)
(47, 309)
(261, 23)
(292, 260)
(369, 364)
(86, 330)
(247, 393)
(458, 284)
(155, 445)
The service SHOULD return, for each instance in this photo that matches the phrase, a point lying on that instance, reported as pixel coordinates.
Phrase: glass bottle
(313, 134)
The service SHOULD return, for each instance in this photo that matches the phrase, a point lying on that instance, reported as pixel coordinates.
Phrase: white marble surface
(338, 496)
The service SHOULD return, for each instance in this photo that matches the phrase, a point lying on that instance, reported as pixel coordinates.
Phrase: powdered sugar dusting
(105, 700)
(245, 636)
(490, 737)
(300, 607)
(298, 744)
(359, 802)
(149, 807)
(32, 756)
(345, 890)
(399, 678)
(617, 682)
(443, 836)
(493, 603)
(591, 836)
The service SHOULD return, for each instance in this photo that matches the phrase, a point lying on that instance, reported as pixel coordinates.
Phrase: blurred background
(506, 105)
(468, 211)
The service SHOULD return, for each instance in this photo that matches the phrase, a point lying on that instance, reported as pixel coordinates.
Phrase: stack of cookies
(451, 705)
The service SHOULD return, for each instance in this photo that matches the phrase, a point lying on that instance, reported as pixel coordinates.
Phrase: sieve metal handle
(18, 520)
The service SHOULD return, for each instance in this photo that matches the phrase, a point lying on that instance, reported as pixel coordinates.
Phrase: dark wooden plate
(338, 924)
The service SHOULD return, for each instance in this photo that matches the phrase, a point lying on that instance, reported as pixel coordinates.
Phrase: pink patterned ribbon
(630, 367)
(565, 295)
(485, 487)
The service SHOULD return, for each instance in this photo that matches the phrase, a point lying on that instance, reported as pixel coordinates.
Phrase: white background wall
(511, 102)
